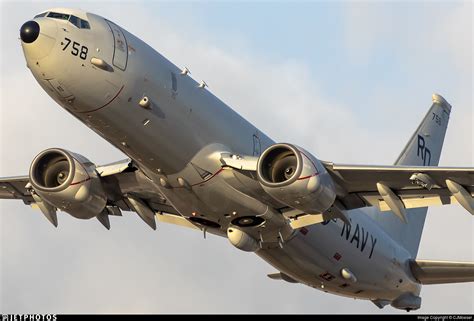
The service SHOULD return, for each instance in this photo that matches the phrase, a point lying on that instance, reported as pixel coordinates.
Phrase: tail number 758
(77, 49)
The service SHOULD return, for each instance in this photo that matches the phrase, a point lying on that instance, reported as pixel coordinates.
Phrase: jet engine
(294, 177)
(69, 182)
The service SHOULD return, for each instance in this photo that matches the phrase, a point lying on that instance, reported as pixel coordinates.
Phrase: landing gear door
(120, 47)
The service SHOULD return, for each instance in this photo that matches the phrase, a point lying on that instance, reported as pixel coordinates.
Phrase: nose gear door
(120, 47)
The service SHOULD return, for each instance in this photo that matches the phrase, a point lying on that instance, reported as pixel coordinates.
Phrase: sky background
(349, 81)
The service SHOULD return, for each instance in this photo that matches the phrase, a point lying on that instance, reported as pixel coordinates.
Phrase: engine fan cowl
(296, 178)
(69, 182)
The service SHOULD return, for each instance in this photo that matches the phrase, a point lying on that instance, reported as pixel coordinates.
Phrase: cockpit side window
(85, 24)
(78, 22)
(41, 14)
(75, 21)
(56, 15)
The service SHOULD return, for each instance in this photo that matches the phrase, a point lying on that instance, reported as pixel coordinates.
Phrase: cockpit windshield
(56, 15)
(78, 22)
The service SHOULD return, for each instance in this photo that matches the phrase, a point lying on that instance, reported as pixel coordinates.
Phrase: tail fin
(423, 149)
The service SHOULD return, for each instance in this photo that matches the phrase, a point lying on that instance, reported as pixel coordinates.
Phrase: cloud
(445, 28)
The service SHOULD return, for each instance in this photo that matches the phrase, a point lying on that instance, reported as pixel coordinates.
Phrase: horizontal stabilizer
(438, 272)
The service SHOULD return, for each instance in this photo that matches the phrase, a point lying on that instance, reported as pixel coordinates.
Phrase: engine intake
(52, 171)
(279, 165)
(69, 182)
(296, 178)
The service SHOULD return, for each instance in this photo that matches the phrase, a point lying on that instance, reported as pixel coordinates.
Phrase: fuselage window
(41, 15)
(56, 15)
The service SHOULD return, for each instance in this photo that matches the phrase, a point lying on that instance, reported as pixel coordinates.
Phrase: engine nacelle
(68, 182)
(294, 177)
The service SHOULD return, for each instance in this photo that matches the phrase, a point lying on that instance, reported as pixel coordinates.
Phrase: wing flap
(412, 198)
(439, 272)
(175, 220)
(414, 186)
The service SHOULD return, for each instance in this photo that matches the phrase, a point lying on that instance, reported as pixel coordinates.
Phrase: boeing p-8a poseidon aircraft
(345, 229)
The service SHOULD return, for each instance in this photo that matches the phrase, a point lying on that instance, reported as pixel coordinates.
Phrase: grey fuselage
(183, 129)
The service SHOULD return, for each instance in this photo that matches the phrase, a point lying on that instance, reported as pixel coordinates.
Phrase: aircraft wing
(14, 188)
(398, 187)
(126, 190)
(390, 188)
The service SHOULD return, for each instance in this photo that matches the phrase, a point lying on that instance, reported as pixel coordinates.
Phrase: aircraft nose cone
(29, 32)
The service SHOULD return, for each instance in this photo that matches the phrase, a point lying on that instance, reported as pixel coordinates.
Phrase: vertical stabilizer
(423, 149)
